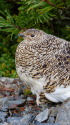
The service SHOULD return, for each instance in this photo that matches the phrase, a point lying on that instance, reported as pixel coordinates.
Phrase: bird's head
(32, 34)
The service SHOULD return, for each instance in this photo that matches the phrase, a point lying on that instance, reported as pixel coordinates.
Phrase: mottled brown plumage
(43, 62)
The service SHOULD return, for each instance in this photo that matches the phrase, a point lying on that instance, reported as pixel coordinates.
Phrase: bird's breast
(35, 84)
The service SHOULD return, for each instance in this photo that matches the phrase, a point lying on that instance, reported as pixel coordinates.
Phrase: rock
(14, 120)
(3, 109)
(8, 101)
(5, 123)
(27, 109)
(63, 116)
(0, 120)
(39, 123)
(27, 119)
(16, 102)
(51, 119)
(20, 92)
(2, 116)
(42, 116)
(4, 101)
(29, 99)
(10, 83)
(53, 114)
(6, 79)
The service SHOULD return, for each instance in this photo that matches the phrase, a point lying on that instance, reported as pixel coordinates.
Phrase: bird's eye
(32, 35)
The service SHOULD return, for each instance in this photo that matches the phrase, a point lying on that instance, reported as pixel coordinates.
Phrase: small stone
(20, 92)
(2, 116)
(27, 109)
(53, 114)
(42, 116)
(39, 123)
(16, 102)
(0, 120)
(14, 120)
(3, 101)
(28, 118)
(5, 123)
(51, 119)
(4, 109)
(29, 99)
(63, 116)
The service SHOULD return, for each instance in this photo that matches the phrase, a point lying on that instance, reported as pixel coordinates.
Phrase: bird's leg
(37, 99)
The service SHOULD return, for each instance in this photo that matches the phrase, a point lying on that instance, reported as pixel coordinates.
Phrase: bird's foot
(38, 100)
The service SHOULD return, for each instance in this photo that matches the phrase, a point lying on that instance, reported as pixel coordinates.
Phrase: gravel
(16, 108)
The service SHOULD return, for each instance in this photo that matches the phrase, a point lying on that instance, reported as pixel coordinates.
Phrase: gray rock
(16, 102)
(6, 79)
(63, 116)
(42, 116)
(27, 109)
(4, 109)
(29, 99)
(39, 123)
(51, 119)
(5, 123)
(2, 116)
(27, 119)
(10, 83)
(53, 114)
(4, 101)
(0, 120)
(14, 120)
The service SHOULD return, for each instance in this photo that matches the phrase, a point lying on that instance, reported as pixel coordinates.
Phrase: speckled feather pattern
(45, 58)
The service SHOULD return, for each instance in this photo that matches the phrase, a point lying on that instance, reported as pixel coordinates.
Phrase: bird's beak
(21, 35)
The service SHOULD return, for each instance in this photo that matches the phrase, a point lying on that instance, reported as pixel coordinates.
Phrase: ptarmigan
(43, 63)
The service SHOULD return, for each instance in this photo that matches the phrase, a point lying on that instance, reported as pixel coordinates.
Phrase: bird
(43, 63)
